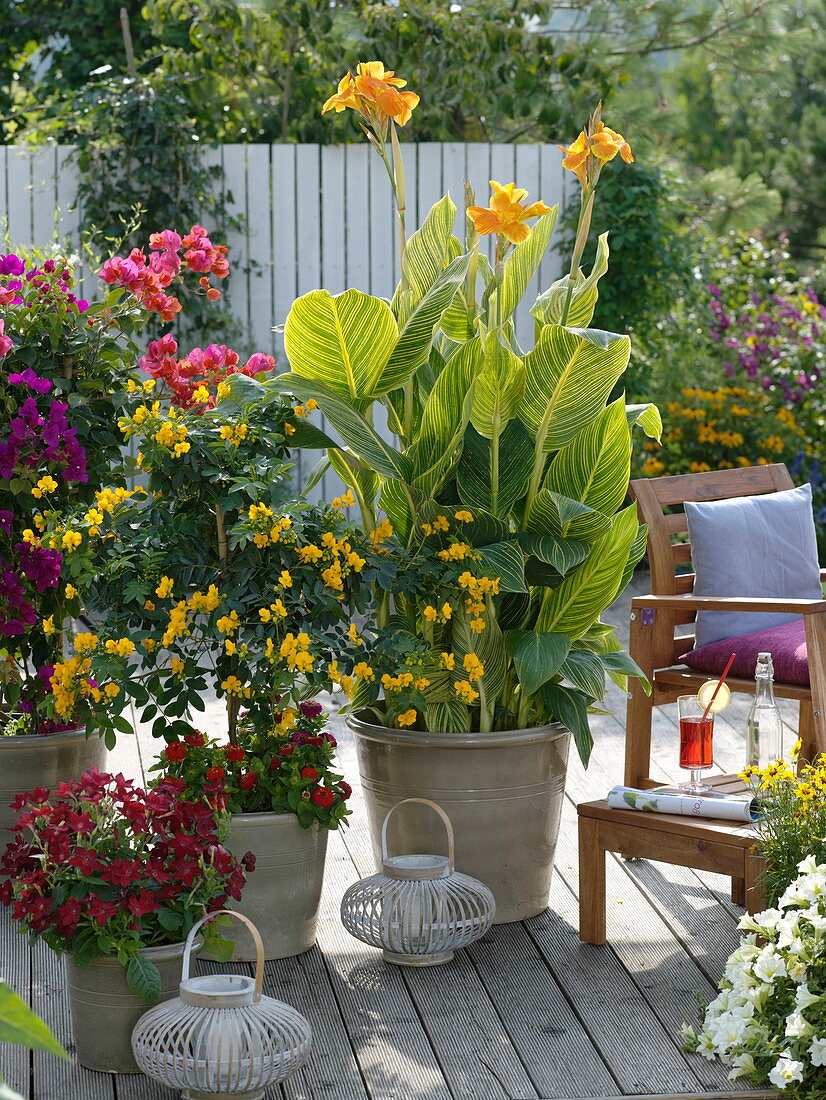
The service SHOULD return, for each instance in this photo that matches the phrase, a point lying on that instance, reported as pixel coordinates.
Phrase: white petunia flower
(769, 965)
(817, 1051)
(741, 1066)
(797, 1027)
(804, 997)
(786, 1071)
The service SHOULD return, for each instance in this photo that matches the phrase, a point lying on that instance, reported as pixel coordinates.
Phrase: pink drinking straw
(720, 683)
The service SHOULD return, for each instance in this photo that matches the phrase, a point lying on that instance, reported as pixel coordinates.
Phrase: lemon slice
(723, 696)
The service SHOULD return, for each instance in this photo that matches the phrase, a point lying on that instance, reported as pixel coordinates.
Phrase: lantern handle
(256, 935)
(451, 852)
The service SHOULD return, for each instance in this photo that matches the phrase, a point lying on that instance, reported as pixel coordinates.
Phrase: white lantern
(221, 1037)
(419, 908)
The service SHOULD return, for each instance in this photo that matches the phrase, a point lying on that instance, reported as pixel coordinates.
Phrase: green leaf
(569, 376)
(499, 389)
(515, 465)
(343, 342)
(573, 606)
(635, 556)
(595, 466)
(452, 716)
(620, 665)
(520, 267)
(550, 306)
(357, 432)
(143, 978)
(308, 436)
(563, 554)
(395, 501)
(8, 1094)
(355, 473)
(216, 945)
(570, 707)
(585, 671)
(562, 516)
(536, 656)
(19, 1025)
(425, 254)
(506, 561)
(646, 417)
(169, 919)
(413, 347)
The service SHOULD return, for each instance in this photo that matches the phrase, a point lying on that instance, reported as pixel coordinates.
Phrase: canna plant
(501, 506)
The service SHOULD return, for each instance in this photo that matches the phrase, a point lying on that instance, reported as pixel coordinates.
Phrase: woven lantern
(221, 1037)
(419, 908)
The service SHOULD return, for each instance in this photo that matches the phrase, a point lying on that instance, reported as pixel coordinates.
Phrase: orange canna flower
(507, 213)
(593, 148)
(345, 97)
(607, 143)
(373, 92)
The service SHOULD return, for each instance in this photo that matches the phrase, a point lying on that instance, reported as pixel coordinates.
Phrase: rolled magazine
(671, 800)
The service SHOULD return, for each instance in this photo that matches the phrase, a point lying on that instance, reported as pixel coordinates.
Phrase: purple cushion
(786, 643)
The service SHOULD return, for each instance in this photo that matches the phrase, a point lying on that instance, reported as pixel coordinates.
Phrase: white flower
(765, 921)
(818, 1052)
(741, 1066)
(688, 1036)
(797, 1027)
(727, 1031)
(785, 1071)
(797, 970)
(768, 965)
(804, 997)
(706, 1047)
(808, 865)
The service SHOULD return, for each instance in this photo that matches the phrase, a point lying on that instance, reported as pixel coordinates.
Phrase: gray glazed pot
(105, 1010)
(283, 893)
(29, 762)
(503, 793)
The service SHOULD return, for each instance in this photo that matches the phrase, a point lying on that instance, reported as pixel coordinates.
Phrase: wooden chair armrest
(690, 602)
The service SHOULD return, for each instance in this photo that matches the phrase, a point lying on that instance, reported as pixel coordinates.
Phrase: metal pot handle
(434, 806)
(256, 935)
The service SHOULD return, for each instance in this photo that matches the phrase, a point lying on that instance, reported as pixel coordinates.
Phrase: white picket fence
(312, 216)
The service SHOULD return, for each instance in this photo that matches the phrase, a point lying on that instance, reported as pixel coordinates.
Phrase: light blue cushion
(752, 546)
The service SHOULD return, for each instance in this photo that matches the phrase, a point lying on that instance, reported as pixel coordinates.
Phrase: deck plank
(15, 968)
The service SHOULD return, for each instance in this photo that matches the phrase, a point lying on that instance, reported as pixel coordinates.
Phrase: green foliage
(18, 1024)
(506, 534)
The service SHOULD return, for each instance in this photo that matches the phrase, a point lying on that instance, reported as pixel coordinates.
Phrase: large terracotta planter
(283, 893)
(503, 793)
(29, 762)
(105, 1010)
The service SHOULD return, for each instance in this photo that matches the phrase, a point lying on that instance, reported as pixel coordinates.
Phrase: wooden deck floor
(529, 1012)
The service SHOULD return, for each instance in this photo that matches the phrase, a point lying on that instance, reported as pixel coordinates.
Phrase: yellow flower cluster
(233, 686)
(432, 615)
(382, 532)
(275, 611)
(307, 407)
(165, 587)
(408, 717)
(347, 500)
(396, 683)
(478, 588)
(457, 551)
(208, 601)
(234, 436)
(46, 484)
(228, 624)
(167, 431)
(121, 647)
(464, 689)
(440, 523)
(295, 651)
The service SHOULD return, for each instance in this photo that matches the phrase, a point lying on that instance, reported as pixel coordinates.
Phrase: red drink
(695, 741)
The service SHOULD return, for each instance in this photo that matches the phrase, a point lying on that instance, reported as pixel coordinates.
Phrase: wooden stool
(709, 845)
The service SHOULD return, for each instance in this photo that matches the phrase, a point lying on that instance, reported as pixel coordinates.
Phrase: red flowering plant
(100, 867)
(266, 771)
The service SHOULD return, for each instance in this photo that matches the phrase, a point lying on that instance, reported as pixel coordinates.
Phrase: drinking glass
(695, 741)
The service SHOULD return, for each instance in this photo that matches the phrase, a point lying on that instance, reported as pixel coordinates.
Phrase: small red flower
(275, 764)
(235, 754)
(309, 773)
(197, 740)
(214, 774)
(345, 790)
(324, 797)
(247, 781)
(175, 752)
(286, 750)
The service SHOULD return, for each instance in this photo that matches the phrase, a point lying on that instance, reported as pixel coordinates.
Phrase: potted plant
(506, 527)
(279, 786)
(114, 877)
(223, 582)
(67, 367)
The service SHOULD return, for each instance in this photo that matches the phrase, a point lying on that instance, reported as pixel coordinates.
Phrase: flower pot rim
(260, 815)
(156, 951)
(498, 739)
(43, 738)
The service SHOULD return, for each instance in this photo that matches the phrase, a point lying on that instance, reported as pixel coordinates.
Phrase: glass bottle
(764, 725)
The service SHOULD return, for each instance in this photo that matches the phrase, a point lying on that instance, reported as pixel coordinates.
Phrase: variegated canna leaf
(343, 341)
(549, 307)
(569, 376)
(595, 466)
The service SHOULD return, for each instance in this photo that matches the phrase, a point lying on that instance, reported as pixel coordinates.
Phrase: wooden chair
(655, 646)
